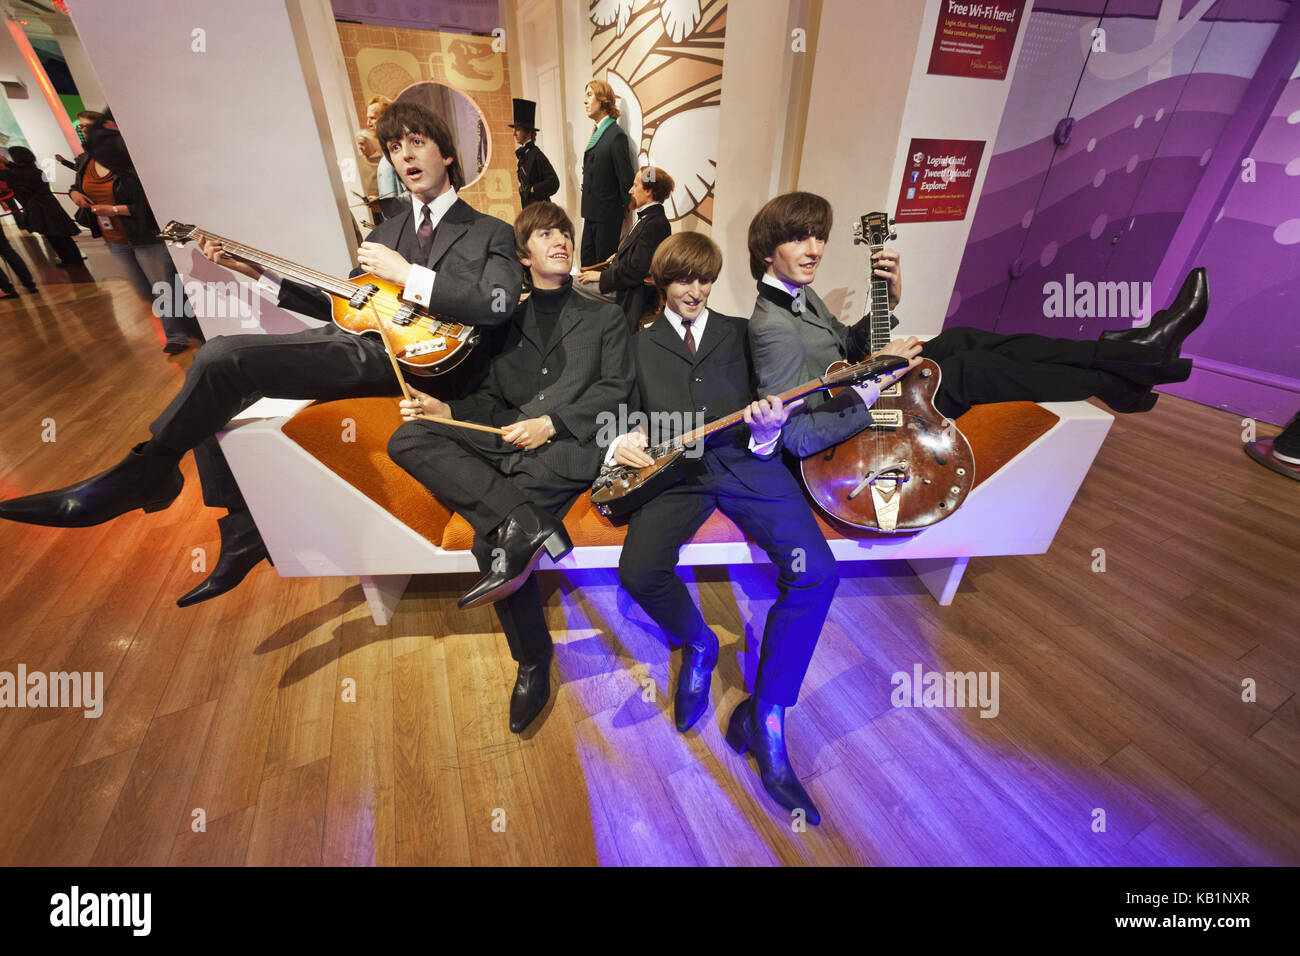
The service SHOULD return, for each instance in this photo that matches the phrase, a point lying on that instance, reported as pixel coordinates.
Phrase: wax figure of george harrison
(794, 337)
(447, 256)
(564, 365)
(693, 364)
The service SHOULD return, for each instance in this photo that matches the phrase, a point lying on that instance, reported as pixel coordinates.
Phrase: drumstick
(406, 392)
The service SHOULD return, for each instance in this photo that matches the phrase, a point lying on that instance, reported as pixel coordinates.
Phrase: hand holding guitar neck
(212, 249)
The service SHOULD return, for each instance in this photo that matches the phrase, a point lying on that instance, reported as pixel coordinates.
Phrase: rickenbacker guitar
(426, 344)
(912, 467)
(620, 490)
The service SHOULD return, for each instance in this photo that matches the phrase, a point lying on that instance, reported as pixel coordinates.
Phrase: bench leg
(940, 576)
(383, 591)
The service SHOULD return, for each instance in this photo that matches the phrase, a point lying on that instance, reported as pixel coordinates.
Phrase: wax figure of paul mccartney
(447, 256)
(565, 364)
(693, 364)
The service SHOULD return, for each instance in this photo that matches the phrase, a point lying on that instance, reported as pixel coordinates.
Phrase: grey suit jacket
(582, 375)
(794, 341)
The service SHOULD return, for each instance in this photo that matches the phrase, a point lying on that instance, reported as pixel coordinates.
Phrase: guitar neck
(735, 418)
(880, 330)
(282, 267)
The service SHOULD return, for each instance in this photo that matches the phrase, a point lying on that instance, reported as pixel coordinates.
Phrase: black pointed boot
(520, 541)
(241, 550)
(761, 728)
(146, 481)
(692, 699)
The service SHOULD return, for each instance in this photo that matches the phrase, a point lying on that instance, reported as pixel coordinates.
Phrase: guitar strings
(378, 301)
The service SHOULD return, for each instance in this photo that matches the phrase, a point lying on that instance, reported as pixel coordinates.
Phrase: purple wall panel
(1107, 206)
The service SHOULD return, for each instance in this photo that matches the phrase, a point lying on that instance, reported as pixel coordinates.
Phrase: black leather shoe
(151, 482)
(532, 691)
(698, 660)
(1169, 327)
(520, 541)
(768, 743)
(241, 550)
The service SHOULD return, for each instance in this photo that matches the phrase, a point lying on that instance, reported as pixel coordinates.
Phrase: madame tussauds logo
(84, 689)
(1101, 300)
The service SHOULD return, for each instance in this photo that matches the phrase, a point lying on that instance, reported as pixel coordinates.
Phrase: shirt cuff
(765, 449)
(268, 284)
(609, 454)
(419, 285)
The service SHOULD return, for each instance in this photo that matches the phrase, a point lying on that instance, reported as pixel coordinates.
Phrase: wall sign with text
(976, 39)
(938, 179)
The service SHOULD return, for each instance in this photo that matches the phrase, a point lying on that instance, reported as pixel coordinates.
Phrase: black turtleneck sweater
(547, 305)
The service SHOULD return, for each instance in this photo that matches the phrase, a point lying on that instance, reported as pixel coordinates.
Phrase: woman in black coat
(44, 214)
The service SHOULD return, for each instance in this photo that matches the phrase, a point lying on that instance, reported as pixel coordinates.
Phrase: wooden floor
(1121, 736)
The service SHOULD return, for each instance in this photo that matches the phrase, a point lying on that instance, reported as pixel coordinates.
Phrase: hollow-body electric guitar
(912, 467)
(620, 490)
(425, 344)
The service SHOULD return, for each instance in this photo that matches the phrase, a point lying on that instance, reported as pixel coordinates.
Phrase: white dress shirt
(419, 284)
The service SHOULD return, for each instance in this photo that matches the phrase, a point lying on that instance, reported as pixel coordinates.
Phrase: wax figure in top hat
(537, 179)
(794, 337)
(446, 255)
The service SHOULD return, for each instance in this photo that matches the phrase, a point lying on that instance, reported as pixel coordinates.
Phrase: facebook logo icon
(916, 174)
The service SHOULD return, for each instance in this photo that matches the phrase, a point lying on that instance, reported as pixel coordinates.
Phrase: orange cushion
(996, 433)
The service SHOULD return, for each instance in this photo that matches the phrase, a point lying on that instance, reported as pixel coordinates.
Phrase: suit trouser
(16, 263)
(980, 367)
(600, 238)
(233, 371)
(782, 525)
(483, 479)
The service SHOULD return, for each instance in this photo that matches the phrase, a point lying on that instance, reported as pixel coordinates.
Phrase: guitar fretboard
(280, 266)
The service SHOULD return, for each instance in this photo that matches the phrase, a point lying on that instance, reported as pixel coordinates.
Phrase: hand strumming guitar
(629, 450)
(908, 348)
(383, 262)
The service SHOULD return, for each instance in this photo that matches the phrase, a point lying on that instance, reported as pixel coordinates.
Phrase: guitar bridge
(437, 344)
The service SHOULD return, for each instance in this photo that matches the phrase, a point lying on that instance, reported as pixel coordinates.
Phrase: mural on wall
(663, 59)
(408, 64)
(1108, 127)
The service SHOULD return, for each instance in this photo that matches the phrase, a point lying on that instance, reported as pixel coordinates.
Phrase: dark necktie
(426, 229)
(690, 338)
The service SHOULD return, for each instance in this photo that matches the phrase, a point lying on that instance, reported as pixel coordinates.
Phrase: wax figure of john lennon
(446, 256)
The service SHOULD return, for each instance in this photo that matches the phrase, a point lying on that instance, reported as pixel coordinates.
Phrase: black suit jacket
(607, 176)
(580, 378)
(479, 278)
(717, 381)
(626, 274)
(537, 179)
